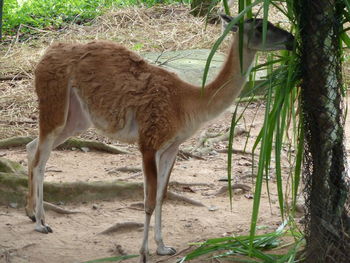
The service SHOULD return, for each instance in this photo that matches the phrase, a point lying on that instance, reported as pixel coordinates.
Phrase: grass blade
(222, 37)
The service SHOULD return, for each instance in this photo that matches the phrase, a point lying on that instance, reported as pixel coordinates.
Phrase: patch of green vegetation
(54, 14)
(50, 14)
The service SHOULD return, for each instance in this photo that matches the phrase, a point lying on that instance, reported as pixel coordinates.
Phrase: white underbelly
(129, 132)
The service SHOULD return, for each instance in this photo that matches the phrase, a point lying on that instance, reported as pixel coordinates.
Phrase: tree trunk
(325, 174)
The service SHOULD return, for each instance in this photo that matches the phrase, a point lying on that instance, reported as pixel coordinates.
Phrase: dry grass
(159, 28)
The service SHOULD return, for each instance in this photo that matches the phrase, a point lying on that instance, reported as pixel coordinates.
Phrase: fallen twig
(15, 77)
(14, 122)
(126, 226)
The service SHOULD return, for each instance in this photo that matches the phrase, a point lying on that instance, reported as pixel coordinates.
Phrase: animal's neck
(220, 93)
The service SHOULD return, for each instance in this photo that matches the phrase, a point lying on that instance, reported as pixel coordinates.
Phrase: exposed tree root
(14, 183)
(15, 142)
(92, 145)
(122, 227)
(13, 189)
(185, 155)
(59, 210)
(8, 166)
(176, 183)
(124, 169)
(174, 196)
(224, 189)
(69, 144)
(207, 140)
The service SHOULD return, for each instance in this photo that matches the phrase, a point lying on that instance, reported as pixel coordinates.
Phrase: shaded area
(13, 189)
(325, 175)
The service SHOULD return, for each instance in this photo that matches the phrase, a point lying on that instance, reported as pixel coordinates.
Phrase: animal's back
(120, 91)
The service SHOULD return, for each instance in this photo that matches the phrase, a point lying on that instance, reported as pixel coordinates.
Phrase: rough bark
(327, 185)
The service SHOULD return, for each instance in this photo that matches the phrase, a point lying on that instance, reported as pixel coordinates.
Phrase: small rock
(213, 153)
(94, 206)
(85, 149)
(13, 205)
(248, 196)
(212, 208)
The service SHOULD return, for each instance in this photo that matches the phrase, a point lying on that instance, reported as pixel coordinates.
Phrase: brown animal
(105, 85)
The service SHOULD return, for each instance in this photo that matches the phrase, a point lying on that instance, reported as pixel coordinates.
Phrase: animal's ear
(226, 20)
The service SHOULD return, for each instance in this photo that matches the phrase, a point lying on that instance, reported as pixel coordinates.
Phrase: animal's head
(276, 38)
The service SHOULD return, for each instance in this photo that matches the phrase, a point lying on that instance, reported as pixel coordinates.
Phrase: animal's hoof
(30, 214)
(166, 251)
(143, 259)
(43, 229)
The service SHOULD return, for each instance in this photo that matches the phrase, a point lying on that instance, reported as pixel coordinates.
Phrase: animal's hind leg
(165, 163)
(38, 153)
(31, 197)
(37, 168)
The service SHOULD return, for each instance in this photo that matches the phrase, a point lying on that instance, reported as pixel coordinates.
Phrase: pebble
(85, 149)
(13, 205)
(212, 208)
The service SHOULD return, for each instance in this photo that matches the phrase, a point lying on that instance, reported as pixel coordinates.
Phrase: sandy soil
(76, 237)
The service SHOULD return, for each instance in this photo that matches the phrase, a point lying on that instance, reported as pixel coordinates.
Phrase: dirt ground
(76, 237)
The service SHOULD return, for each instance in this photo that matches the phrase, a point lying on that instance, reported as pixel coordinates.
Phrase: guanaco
(110, 87)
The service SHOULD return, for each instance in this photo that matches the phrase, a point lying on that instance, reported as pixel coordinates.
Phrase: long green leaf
(226, 7)
(221, 38)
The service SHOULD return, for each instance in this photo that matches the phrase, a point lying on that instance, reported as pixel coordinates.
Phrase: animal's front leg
(165, 163)
(150, 188)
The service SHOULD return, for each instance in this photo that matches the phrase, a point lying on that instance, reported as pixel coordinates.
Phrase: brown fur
(162, 102)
